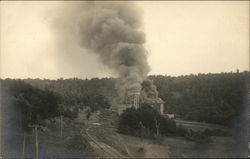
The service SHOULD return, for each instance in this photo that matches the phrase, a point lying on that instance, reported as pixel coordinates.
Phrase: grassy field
(129, 146)
(170, 146)
(71, 144)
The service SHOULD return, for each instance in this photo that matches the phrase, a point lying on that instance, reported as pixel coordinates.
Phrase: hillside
(89, 120)
(214, 98)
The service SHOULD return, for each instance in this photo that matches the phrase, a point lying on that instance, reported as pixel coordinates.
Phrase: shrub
(71, 113)
(140, 150)
(78, 142)
(26, 104)
(198, 137)
(145, 122)
(180, 130)
(216, 132)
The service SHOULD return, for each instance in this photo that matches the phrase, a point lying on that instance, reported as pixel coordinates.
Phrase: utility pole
(36, 139)
(61, 124)
(157, 125)
(23, 156)
(36, 142)
(61, 118)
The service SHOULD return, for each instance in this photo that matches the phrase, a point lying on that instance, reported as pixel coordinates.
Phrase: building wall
(122, 107)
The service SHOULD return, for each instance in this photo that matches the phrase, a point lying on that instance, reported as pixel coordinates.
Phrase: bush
(78, 142)
(70, 113)
(145, 122)
(216, 132)
(27, 104)
(180, 130)
(198, 137)
(141, 150)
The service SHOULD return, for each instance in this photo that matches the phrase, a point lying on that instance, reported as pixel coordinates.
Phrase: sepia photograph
(124, 79)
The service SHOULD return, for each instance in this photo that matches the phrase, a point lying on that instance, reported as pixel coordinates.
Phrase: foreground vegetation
(27, 105)
(145, 122)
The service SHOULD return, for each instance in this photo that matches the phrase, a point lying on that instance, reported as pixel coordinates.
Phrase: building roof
(154, 100)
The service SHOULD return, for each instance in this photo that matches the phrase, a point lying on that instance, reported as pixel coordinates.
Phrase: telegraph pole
(61, 118)
(61, 124)
(36, 142)
(23, 156)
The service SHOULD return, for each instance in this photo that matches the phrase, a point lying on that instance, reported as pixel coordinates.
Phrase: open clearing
(102, 128)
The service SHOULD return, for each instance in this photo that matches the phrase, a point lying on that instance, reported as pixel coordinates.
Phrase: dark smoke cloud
(113, 32)
(70, 59)
(149, 93)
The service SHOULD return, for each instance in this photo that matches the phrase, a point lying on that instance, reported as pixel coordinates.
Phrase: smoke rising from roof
(149, 93)
(113, 32)
(150, 89)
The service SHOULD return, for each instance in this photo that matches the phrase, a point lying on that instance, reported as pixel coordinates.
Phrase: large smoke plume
(113, 32)
(149, 93)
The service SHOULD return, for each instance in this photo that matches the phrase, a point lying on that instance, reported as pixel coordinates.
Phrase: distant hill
(216, 98)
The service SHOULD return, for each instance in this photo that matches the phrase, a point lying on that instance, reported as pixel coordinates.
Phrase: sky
(182, 37)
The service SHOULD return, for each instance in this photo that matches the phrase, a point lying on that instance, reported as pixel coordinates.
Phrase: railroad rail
(202, 125)
(108, 150)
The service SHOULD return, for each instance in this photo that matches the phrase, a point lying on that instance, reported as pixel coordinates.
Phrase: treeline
(77, 93)
(215, 98)
(23, 105)
(32, 101)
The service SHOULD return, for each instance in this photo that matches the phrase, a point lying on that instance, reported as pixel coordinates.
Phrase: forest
(24, 105)
(214, 98)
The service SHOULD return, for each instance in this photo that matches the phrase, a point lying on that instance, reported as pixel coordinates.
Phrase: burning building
(147, 95)
(132, 99)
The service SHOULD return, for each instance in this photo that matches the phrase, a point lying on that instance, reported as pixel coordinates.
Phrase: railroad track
(202, 125)
(104, 148)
